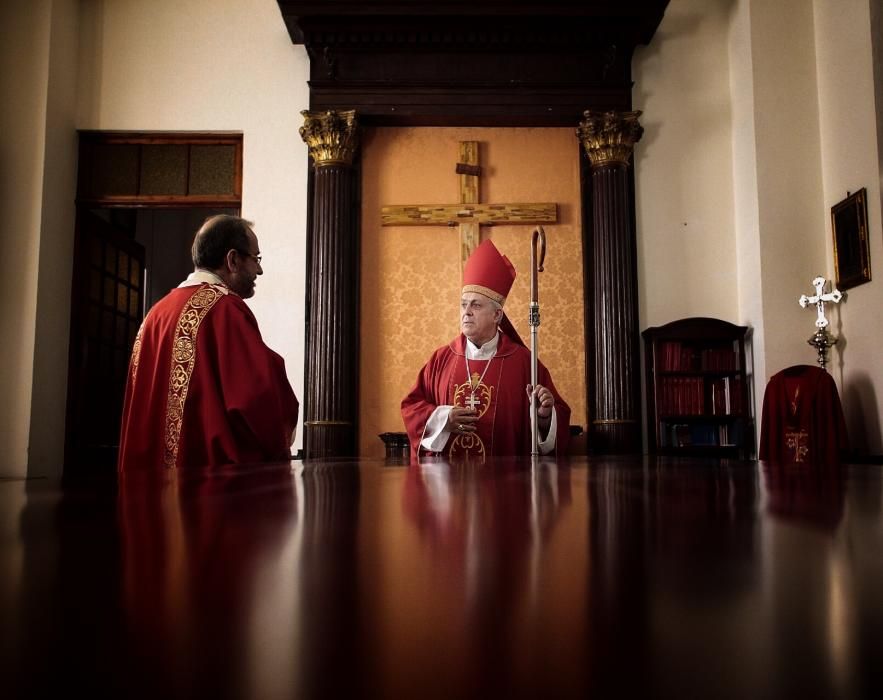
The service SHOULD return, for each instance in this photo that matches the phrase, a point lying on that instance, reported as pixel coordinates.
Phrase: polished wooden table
(599, 578)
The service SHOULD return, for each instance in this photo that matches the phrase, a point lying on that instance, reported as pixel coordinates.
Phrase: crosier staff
(534, 321)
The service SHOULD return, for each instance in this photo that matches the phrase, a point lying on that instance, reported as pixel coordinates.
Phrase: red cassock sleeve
(241, 407)
(428, 393)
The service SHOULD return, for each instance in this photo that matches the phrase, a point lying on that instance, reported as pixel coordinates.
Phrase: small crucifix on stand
(469, 214)
(821, 340)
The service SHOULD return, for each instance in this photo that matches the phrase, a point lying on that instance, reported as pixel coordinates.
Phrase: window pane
(109, 292)
(164, 169)
(135, 273)
(123, 265)
(115, 169)
(212, 169)
(122, 297)
(134, 305)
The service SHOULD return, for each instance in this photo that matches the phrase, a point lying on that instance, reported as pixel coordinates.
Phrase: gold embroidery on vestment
(797, 440)
(477, 395)
(136, 353)
(183, 360)
(467, 447)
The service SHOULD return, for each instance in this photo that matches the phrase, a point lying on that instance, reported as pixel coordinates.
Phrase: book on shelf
(719, 359)
(676, 356)
(681, 396)
(679, 434)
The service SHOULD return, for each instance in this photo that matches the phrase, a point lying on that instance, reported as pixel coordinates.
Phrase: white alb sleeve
(547, 445)
(435, 437)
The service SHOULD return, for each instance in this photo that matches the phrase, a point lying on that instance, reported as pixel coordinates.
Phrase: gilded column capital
(609, 137)
(332, 137)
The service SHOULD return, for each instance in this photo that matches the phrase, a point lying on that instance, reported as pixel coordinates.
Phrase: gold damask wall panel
(411, 276)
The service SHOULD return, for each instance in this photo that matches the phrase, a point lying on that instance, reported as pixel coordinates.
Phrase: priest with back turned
(203, 390)
(472, 398)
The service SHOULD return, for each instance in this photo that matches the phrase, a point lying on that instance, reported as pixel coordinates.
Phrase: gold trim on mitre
(489, 293)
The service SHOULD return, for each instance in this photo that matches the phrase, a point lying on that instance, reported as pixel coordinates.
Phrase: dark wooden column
(608, 138)
(332, 328)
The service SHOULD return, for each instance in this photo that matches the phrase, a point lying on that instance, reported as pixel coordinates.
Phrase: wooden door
(106, 312)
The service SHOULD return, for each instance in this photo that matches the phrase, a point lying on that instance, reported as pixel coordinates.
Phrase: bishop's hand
(462, 420)
(545, 403)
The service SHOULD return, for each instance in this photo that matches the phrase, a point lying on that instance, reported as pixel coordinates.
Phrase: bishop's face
(478, 317)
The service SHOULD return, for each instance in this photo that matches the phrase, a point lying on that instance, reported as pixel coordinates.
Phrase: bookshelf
(697, 390)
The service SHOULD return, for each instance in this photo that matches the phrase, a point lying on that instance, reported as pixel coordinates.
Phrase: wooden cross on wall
(469, 214)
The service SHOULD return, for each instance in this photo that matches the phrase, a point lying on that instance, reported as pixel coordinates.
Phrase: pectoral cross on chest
(472, 402)
(469, 214)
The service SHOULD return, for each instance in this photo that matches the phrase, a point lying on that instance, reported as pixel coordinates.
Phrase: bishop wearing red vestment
(471, 398)
(203, 389)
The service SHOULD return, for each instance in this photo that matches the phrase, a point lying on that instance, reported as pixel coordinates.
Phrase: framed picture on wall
(852, 254)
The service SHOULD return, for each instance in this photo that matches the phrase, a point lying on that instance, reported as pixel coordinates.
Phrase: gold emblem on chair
(797, 440)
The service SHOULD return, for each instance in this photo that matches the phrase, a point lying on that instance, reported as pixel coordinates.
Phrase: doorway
(141, 198)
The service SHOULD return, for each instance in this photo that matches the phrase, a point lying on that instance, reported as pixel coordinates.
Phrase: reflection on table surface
(508, 579)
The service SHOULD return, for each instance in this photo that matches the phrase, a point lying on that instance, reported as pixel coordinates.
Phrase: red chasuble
(802, 418)
(203, 389)
(498, 387)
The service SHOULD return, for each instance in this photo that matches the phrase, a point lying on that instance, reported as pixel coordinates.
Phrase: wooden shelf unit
(697, 399)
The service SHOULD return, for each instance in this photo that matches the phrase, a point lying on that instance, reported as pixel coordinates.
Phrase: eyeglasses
(257, 258)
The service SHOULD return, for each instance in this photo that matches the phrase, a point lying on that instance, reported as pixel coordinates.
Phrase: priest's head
(227, 246)
(487, 279)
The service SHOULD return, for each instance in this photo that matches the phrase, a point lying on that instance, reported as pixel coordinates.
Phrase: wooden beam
(455, 214)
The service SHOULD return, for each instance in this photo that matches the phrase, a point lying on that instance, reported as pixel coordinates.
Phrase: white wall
(24, 61)
(684, 168)
(216, 65)
(55, 253)
(788, 157)
(696, 194)
(745, 196)
(851, 160)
